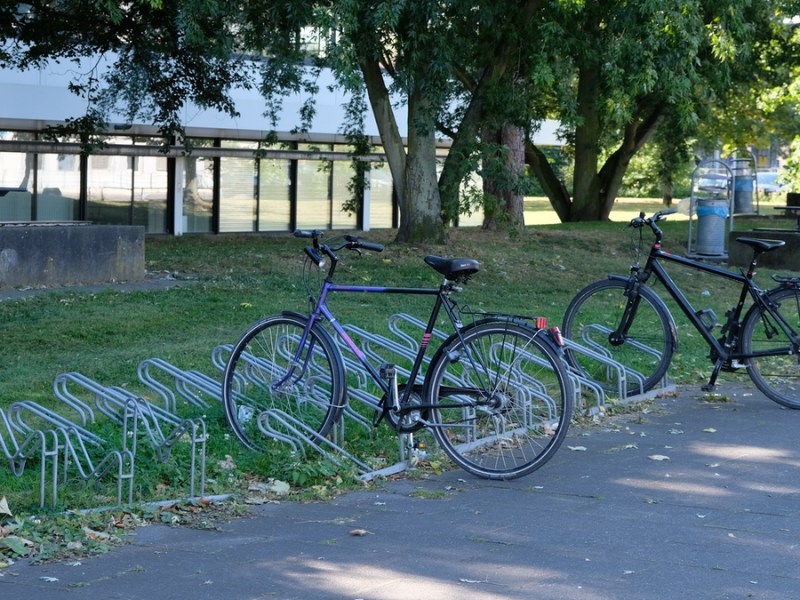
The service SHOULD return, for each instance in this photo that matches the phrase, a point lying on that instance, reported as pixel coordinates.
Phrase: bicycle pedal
(733, 365)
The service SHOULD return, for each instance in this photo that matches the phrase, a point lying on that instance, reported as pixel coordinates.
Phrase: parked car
(768, 183)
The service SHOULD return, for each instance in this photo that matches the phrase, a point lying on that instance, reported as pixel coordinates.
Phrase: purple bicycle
(496, 393)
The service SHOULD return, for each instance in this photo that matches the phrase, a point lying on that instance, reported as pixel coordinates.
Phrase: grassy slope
(226, 282)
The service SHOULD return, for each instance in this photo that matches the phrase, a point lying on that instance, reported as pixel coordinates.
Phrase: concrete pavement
(694, 499)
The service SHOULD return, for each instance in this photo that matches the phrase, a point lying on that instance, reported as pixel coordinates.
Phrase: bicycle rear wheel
(776, 374)
(646, 352)
(501, 399)
(273, 389)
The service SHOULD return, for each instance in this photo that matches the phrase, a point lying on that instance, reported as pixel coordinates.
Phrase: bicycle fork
(620, 334)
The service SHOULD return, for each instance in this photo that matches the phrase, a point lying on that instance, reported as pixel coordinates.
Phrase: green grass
(224, 283)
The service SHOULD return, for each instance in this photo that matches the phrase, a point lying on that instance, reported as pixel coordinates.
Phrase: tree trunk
(387, 125)
(513, 138)
(638, 132)
(507, 190)
(465, 140)
(586, 186)
(553, 187)
(414, 173)
(421, 207)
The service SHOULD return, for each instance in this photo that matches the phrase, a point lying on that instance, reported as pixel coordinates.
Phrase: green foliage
(466, 69)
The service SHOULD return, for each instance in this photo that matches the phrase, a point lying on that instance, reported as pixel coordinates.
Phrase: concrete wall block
(787, 257)
(56, 255)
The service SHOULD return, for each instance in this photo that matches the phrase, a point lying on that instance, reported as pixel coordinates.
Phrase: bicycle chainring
(412, 421)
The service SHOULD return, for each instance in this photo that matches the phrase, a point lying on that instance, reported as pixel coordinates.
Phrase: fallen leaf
(658, 457)
(577, 448)
(18, 545)
(710, 430)
(96, 535)
(49, 579)
(4, 510)
(360, 532)
(279, 487)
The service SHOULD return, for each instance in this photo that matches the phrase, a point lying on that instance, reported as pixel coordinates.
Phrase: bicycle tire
(647, 351)
(516, 366)
(777, 376)
(265, 398)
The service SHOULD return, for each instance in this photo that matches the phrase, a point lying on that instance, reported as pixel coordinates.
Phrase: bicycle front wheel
(646, 350)
(274, 389)
(775, 368)
(501, 399)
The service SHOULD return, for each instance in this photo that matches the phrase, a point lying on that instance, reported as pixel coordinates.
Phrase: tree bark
(553, 187)
(586, 186)
(638, 132)
(508, 210)
(381, 105)
(421, 207)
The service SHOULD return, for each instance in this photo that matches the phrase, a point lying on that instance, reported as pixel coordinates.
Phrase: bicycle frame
(726, 347)
(388, 385)
(321, 311)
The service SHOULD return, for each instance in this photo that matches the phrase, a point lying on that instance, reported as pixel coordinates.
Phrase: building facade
(230, 182)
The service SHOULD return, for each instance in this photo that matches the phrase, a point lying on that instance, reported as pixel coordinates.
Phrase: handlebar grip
(371, 246)
(305, 233)
(637, 221)
(315, 256)
(663, 213)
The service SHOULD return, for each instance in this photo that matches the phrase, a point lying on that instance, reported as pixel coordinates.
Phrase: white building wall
(42, 95)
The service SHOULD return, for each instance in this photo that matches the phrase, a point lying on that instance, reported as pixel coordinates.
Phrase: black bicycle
(496, 394)
(623, 319)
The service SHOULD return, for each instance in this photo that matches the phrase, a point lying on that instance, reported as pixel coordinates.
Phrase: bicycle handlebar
(349, 242)
(641, 221)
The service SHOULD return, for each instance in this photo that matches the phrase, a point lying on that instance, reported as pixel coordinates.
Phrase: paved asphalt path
(694, 499)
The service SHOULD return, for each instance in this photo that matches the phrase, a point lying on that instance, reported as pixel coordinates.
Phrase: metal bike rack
(29, 417)
(45, 443)
(193, 387)
(283, 427)
(163, 429)
(580, 381)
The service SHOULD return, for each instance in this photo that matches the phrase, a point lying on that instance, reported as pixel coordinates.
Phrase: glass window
(109, 190)
(16, 173)
(380, 190)
(150, 191)
(274, 195)
(58, 190)
(237, 194)
(198, 194)
(313, 192)
(342, 176)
